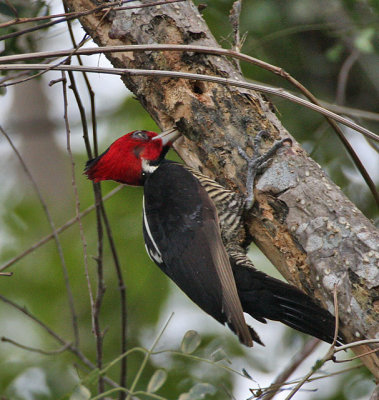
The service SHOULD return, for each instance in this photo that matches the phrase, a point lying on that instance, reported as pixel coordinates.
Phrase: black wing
(183, 238)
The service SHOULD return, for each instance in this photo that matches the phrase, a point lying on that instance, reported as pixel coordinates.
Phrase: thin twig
(99, 335)
(123, 302)
(55, 235)
(35, 350)
(70, 347)
(329, 354)
(200, 359)
(307, 349)
(95, 304)
(82, 113)
(317, 378)
(97, 301)
(52, 333)
(355, 344)
(13, 8)
(109, 392)
(260, 392)
(59, 230)
(146, 358)
(359, 356)
(353, 112)
(90, 92)
(121, 284)
(12, 77)
(234, 19)
(100, 291)
(151, 395)
(74, 186)
(51, 67)
(108, 380)
(344, 75)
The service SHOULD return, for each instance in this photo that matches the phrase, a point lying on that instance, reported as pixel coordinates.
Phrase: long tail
(265, 297)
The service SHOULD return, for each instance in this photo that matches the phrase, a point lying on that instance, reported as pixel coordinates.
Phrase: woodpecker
(192, 230)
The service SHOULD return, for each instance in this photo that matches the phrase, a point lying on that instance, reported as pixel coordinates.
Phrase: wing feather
(181, 223)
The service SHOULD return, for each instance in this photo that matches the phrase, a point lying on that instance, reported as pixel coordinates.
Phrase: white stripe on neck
(147, 167)
(153, 252)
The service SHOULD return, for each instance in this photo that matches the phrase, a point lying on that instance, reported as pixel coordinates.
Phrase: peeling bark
(301, 220)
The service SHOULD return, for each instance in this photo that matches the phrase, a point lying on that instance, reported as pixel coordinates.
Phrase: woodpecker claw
(257, 163)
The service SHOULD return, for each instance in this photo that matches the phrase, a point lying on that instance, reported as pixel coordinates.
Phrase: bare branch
(330, 354)
(121, 284)
(307, 349)
(234, 19)
(355, 344)
(199, 77)
(75, 188)
(34, 350)
(97, 301)
(99, 335)
(123, 302)
(59, 230)
(344, 75)
(146, 358)
(70, 347)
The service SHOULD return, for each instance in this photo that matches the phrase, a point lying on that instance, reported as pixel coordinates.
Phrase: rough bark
(301, 220)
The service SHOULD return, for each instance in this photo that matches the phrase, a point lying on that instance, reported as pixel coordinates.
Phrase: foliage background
(312, 40)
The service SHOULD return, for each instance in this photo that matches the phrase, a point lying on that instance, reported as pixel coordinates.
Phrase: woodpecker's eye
(141, 135)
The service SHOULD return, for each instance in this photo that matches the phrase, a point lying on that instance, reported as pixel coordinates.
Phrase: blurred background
(331, 47)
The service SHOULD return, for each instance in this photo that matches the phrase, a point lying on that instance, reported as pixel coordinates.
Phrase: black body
(182, 235)
(179, 218)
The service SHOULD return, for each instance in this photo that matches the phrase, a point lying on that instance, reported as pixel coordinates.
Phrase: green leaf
(317, 365)
(32, 383)
(157, 380)
(190, 342)
(220, 355)
(334, 53)
(247, 374)
(80, 393)
(199, 391)
(363, 42)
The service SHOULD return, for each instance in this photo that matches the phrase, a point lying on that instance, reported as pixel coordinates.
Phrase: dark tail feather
(265, 297)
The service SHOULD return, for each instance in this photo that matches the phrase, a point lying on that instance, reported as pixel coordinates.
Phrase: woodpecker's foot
(257, 163)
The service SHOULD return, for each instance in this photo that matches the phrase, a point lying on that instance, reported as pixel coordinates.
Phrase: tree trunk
(301, 220)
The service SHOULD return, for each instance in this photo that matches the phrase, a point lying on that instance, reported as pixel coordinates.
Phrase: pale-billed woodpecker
(192, 229)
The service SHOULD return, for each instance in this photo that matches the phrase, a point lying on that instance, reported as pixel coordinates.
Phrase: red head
(122, 162)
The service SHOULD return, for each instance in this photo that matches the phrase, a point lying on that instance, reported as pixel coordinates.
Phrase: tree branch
(197, 77)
